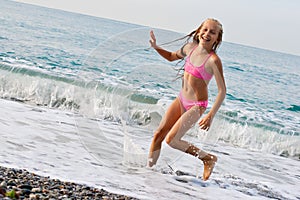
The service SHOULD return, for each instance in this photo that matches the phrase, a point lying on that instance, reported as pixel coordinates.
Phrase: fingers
(205, 124)
(205, 127)
(152, 39)
(152, 34)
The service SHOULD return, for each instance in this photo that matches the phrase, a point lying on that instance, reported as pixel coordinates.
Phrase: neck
(203, 50)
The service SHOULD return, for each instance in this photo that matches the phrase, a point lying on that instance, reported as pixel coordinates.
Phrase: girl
(202, 63)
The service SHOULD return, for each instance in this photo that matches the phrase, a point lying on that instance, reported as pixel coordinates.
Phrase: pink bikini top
(197, 71)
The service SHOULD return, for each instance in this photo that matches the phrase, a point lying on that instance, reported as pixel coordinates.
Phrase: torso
(195, 88)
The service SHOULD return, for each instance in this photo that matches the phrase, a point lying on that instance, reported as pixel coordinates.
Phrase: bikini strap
(211, 53)
(192, 51)
(207, 56)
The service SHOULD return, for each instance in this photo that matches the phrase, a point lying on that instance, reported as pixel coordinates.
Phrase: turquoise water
(52, 58)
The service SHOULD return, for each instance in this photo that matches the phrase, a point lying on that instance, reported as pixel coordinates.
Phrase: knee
(159, 136)
(171, 141)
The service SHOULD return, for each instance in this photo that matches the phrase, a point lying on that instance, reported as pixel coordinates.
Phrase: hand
(152, 40)
(205, 122)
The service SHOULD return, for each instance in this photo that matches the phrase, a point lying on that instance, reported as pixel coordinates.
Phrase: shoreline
(22, 184)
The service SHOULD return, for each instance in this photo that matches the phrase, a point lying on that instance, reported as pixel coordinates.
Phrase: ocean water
(80, 98)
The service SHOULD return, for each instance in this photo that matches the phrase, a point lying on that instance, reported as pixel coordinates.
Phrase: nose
(207, 33)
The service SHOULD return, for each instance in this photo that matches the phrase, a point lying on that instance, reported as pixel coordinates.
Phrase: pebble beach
(22, 184)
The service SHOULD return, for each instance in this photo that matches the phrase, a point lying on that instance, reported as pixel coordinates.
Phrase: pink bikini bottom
(187, 104)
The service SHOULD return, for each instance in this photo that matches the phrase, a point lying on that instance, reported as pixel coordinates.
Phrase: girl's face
(208, 34)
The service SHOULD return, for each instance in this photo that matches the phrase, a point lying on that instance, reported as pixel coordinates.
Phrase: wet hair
(194, 36)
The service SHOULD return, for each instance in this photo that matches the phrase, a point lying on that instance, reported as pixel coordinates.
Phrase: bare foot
(150, 162)
(209, 162)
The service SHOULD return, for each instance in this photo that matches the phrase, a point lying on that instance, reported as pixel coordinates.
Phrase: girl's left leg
(174, 139)
(183, 124)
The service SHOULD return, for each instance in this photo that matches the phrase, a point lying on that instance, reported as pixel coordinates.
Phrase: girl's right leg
(171, 116)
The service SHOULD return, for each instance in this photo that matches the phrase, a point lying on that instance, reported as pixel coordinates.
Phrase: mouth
(205, 39)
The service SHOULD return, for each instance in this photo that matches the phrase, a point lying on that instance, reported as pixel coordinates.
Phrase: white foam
(71, 147)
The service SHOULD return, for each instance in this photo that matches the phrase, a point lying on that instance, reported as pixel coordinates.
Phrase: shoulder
(215, 59)
(215, 62)
(187, 48)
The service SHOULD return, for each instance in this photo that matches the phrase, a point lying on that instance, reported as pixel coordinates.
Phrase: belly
(194, 88)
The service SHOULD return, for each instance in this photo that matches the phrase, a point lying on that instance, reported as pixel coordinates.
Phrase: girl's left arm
(218, 73)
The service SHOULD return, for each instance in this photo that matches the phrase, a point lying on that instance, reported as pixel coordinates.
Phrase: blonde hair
(195, 33)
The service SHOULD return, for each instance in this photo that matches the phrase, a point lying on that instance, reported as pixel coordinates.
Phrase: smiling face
(209, 34)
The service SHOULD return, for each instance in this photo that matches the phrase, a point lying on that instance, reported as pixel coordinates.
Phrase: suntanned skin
(176, 122)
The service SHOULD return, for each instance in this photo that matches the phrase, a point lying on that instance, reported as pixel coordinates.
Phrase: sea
(80, 98)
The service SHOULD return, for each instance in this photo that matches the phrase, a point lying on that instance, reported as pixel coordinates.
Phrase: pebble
(21, 184)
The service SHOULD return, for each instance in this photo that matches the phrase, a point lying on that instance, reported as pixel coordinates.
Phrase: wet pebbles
(21, 184)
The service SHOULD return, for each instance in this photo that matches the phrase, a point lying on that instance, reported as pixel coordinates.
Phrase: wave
(294, 108)
(122, 103)
(248, 136)
(94, 99)
(242, 119)
(232, 97)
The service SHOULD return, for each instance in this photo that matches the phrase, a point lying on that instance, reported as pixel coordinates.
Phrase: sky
(266, 24)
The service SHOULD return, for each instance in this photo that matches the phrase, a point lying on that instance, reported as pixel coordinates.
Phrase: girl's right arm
(170, 56)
